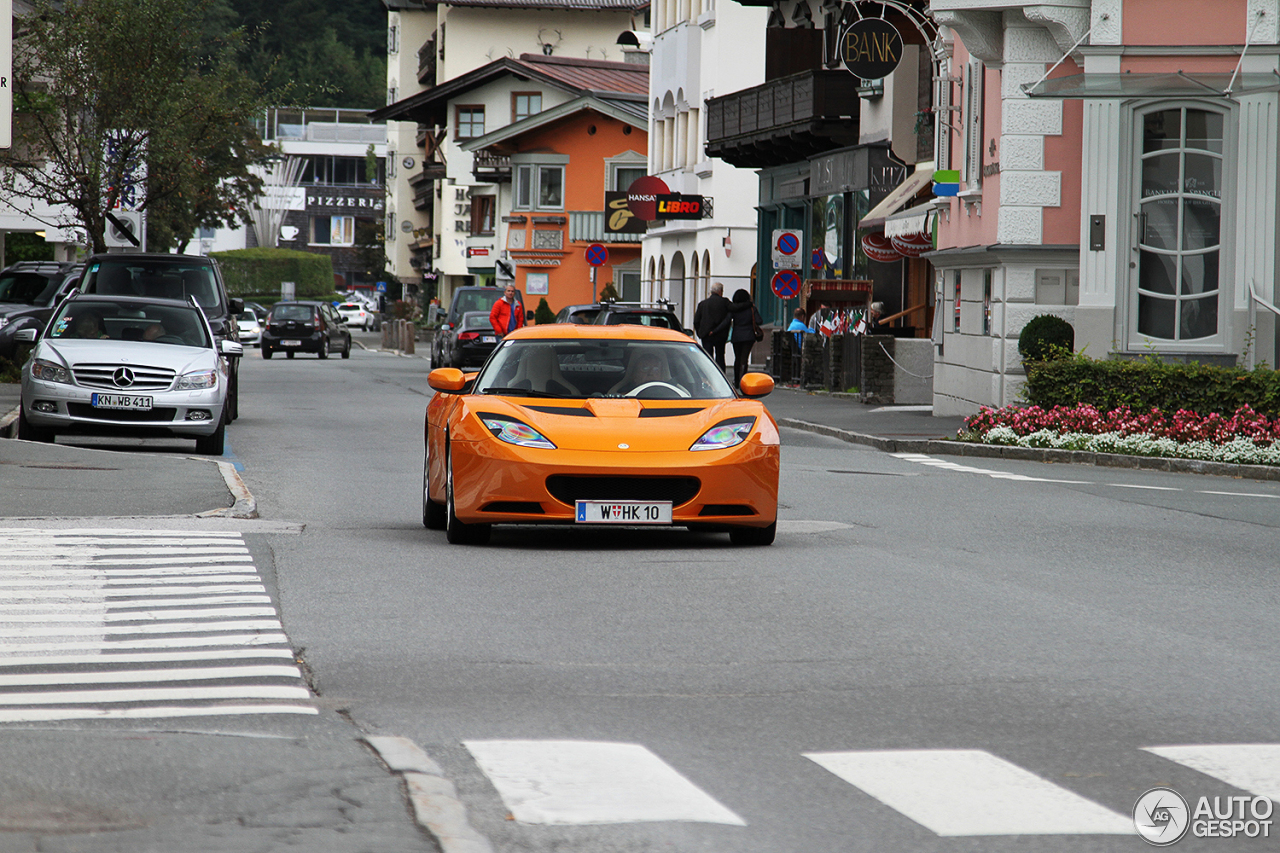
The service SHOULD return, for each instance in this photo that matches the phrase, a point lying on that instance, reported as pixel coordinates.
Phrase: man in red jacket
(507, 313)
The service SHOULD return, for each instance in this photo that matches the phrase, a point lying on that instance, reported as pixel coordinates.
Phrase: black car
(583, 314)
(29, 293)
(464, 301)
(316, 327)
(180, 277)
(658, 314)
(472, 341)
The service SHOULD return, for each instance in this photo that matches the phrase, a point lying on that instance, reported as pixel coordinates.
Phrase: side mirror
(756, 384)
(231, 348)
(26, 336)
(450, 380)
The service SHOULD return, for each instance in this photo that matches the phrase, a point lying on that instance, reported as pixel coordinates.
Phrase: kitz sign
(677, 206)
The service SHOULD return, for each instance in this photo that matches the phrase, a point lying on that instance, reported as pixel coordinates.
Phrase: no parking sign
(785, 284)
(786, 249)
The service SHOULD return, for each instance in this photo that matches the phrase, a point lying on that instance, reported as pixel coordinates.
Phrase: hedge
(254, 272)
(1148, 383)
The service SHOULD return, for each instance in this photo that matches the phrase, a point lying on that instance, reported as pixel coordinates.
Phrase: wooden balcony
(785, 120)
(491, 168)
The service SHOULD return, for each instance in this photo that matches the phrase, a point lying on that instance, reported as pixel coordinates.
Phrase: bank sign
(871, 48)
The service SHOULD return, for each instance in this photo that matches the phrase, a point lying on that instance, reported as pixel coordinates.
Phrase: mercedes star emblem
(123, 377)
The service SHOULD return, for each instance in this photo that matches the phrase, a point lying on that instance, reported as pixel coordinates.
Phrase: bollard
(386, 335)
(409, 337)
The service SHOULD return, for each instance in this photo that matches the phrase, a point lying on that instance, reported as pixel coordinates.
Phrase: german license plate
(623, 512)
(488, 339)
(121, 401)
(291, 343)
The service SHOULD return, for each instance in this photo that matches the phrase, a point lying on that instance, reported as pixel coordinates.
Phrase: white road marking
(227, 640)
(12, 661)
(1137, 486)
(166, 694)
(136, 615)
(143, 676)
(39, 715)
(36, 589)
(1238, 494)
(1253, 767)
(60, 601)
(591, 782)
(162, 628)
(956, 792)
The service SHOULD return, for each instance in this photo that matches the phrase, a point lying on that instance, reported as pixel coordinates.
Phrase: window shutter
(973, 125)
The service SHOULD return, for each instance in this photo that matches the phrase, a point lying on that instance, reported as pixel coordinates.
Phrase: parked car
(128, 365)
(578, 313)
(465, 300)
(357, 315)
(181, 277)
(250, 328)
(577, 425)
(658, 314)
(259, 309)
(294, 327)
(29, 293)
(471, 342)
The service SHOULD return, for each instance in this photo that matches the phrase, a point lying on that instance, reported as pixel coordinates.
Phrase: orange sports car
(614, 425)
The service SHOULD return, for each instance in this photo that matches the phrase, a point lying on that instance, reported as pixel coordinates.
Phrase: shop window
(333, 230)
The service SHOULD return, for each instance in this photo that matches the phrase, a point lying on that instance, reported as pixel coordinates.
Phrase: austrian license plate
(488, 339)
(121, 401)
(291, 343)
(623, 512)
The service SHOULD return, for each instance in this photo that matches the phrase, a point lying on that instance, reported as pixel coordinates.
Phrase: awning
(913, 220)
(1176, 85)
(900, 195)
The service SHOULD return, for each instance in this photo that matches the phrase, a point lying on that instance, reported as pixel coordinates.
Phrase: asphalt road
(936, 655)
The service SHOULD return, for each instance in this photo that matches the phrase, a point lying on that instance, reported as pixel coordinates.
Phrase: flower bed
(1244, 438)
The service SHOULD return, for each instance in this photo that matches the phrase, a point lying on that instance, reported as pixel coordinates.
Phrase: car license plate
(623, 512)
(121, 401)
(291, 343)
(488, 339)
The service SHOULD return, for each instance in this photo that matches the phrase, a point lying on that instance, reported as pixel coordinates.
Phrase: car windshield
(162, 279)
(291, 312)
(130, 321)
(603, 368)
(475, 320)
(28, 288)
(248, 317)
(348, 307)
(476, 300)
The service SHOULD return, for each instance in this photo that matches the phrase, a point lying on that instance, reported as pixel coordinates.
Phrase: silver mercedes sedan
(119, 365)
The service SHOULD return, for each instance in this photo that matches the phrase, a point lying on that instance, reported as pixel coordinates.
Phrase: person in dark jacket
(743, 334)
(711, 322)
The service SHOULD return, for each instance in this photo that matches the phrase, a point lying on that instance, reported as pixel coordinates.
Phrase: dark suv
(305, 327)
(465, 300)
(173, 277)
(29, 292)
(658, 314)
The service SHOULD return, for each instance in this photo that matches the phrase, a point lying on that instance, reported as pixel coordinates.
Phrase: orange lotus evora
(616, 425)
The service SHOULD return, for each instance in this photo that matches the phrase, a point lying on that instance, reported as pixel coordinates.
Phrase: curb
(946, 447)
(245, 506)
(435, 801)
(9, 423)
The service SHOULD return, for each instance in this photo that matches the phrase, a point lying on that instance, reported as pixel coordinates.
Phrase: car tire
(324, 348)
(266, 352)
(457, 532)
(216, 443)
(288, 354)
(346, 353)
(433, 514)
(753, 535)
(28, 431)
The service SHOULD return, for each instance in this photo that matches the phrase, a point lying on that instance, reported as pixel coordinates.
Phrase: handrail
(1253, 317)
(1264, 303)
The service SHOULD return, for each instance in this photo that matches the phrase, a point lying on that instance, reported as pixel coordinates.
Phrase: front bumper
(182, 414)
(499, 483)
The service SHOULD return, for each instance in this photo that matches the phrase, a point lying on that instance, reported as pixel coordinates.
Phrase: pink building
(1118, 164)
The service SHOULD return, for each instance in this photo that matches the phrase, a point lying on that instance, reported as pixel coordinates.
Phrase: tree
(130, 102)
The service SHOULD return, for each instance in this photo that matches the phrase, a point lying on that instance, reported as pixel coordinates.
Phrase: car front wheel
(215, 444)
(457, 532)
(324, 348)
(753, 535)
(28, 431)
(433, 514)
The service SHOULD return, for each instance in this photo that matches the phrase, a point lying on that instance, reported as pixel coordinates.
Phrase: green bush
(543, 313)
(1149, 383)
(253, 272)
(1046, 336)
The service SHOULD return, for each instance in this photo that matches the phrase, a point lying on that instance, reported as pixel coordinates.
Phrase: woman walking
(743, 334)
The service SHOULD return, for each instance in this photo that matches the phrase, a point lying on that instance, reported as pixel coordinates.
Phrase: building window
(470, 123)
(525, 104)
(482, 214)
(333, 230)
(393, 38)
(955, 323)
(627, 283)
(623, 175)
(539, 187)
(392, 94)
(325, 170)
(986, 302)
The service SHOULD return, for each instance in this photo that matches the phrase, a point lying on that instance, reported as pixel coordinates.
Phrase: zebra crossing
(951, 792)
(137, 624)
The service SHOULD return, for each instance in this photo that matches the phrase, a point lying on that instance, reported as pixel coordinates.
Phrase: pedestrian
(874, 327)
(798, 328)
(743, 333)
(507, 313)
(711, 322)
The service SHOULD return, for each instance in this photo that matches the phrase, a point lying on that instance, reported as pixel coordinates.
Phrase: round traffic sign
(818, 258)
(785, 284)
(788, 244)
(597, 254)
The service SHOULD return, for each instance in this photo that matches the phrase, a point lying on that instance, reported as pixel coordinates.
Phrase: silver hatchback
(131, 366)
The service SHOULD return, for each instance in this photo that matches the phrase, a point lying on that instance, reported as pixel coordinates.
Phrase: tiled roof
(580, 5)
(591, 75)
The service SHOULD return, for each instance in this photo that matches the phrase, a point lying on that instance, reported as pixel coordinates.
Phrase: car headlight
(725, 434)
(50, 371)
(197, 379)
(513, 431)
(4, 321)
